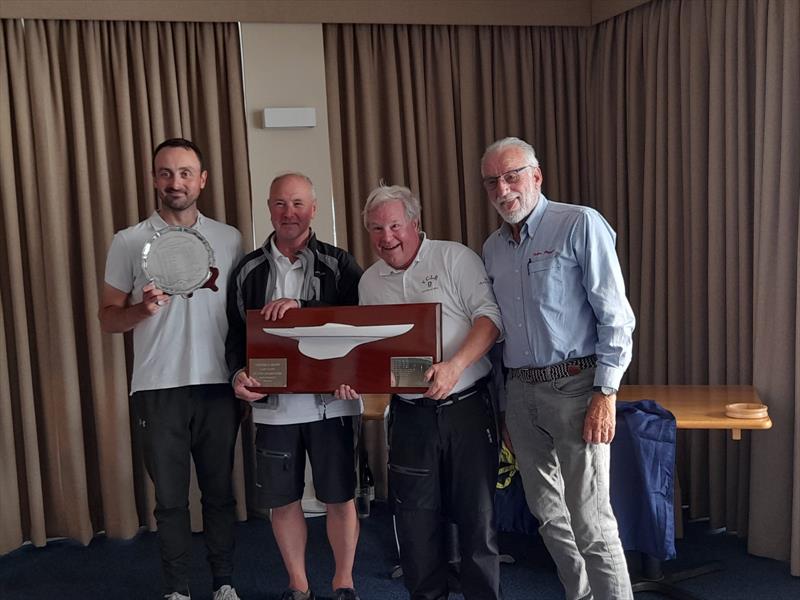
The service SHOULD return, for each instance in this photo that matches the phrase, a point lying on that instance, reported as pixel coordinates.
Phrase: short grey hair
(299, 175)
(511, 142)
(388, 193)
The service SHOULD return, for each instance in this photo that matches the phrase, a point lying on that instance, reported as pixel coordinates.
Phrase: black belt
(566, 368)
(423, 402)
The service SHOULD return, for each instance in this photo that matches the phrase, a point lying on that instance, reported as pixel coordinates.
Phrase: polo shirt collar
(158, 223)
(269, 245)
(278, 255)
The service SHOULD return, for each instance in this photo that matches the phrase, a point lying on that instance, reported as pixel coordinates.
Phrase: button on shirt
(444, 272)
(560, 291)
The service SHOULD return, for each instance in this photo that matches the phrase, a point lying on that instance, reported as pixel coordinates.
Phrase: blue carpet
(129, 570)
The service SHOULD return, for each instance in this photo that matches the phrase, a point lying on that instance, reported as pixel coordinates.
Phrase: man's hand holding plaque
(277, 308)
(443, 377)
(243, 383)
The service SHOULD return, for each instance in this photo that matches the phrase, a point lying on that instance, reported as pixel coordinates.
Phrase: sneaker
(291, 594)
(345, 594)
(176, 596)
(226, 592)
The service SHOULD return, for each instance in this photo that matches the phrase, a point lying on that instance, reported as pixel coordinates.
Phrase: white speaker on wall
(289, 117)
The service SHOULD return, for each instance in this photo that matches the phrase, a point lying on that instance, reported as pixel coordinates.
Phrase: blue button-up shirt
(560, 291)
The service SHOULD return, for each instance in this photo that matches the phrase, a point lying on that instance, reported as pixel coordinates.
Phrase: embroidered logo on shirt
(545, 252)
(430, 283)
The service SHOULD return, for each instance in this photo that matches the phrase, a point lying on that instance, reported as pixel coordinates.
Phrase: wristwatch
(605, 390)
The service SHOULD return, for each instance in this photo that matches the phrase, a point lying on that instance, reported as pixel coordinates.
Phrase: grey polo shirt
(184, 342)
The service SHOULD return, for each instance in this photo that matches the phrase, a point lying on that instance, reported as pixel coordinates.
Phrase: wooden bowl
(744, 410)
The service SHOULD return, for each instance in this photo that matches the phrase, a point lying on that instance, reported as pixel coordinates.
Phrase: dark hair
(179, 143)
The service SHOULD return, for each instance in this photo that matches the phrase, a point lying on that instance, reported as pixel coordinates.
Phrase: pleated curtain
(82, 105)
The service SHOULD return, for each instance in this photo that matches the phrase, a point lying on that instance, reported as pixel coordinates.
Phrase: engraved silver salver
(270, 372)
(409, 371)
(178, 260)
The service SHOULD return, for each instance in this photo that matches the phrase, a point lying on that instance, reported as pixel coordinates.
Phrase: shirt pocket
(545, 279)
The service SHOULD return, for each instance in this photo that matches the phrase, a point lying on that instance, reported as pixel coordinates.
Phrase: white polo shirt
(184, 342)
(444, 272)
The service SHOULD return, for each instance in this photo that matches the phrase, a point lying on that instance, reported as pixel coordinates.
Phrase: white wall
(283, 67)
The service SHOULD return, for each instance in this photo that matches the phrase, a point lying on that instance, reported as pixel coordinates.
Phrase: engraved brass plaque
(409, 371)
(270, 372)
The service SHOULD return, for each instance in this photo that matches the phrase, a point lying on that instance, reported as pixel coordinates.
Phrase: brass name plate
(270, 372)
(409, 371)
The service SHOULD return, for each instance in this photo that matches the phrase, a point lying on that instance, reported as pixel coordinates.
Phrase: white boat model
(334, 340)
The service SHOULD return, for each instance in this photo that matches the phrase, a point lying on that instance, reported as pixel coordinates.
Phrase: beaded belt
(566, 368)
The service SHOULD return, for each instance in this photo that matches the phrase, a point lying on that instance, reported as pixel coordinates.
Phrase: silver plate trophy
(179, 260)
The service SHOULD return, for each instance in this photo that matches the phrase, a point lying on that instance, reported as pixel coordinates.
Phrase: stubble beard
(178, 203)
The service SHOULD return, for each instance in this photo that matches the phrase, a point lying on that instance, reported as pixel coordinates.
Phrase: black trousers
(173, 424)
(443, 469)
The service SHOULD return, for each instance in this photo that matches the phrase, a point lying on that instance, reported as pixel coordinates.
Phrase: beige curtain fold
(775, 485)
(82, 105)
(678, 121)
(684, 212)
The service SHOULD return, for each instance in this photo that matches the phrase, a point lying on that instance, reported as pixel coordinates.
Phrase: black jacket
(331, 280)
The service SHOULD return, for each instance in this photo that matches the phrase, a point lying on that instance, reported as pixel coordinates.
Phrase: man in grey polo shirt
(443, 444)
(568, 325)
(182, 402)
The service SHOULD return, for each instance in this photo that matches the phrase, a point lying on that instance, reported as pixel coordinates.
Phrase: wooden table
(700, 406)
(374, 406)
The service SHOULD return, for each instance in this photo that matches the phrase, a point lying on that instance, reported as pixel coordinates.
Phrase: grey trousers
(566, 484)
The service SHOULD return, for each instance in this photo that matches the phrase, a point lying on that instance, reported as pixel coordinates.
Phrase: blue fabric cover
(642, 466)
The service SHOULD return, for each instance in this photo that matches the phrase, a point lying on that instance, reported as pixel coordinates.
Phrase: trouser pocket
(274, 475)
(413, 488)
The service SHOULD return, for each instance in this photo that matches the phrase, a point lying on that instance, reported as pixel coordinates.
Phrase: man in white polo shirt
(443, 446)
(293, 269)
(181, 400)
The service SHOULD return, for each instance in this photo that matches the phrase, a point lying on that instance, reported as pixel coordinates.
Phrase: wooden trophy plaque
(374, 349)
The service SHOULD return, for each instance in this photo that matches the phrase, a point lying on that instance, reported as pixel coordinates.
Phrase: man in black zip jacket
(293, 269)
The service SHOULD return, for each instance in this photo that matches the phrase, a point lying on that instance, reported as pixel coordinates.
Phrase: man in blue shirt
(568, 328)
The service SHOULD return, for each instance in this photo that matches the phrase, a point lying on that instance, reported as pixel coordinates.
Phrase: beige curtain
(82, 105)
(679, 122)
(775, 482)
(417, 104)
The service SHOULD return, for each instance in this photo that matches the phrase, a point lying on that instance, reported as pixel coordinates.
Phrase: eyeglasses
(510, 177)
